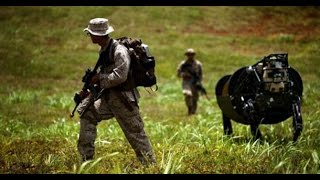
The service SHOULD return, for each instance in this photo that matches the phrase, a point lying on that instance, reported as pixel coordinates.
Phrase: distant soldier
(190, 70)
(115, 102)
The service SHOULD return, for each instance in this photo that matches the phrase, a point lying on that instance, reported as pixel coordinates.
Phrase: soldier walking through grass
(114, 102)
(190, 70)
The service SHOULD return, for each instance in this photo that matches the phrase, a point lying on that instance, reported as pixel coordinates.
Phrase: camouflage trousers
(107, 107)
(191, 96)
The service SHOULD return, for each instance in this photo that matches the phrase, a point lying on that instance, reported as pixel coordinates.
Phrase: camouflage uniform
(111, 105)
(189, 89)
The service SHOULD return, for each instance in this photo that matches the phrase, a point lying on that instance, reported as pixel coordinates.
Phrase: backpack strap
(115, 43)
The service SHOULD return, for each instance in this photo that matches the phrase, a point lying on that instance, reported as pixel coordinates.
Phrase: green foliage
(44, 54)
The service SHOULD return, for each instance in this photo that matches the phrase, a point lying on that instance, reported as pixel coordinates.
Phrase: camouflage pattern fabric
(189, 89)
(109, 106)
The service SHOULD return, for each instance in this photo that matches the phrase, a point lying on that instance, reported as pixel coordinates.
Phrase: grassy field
(43, 55)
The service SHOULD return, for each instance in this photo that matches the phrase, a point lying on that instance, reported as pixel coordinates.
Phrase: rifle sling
(101, 58)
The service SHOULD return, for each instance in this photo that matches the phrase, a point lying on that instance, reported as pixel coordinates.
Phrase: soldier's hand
(95, 79)
(83, 94)
(186, 75)
(78, 97)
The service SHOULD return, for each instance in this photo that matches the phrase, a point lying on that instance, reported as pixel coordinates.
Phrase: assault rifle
(88, 87)
(195, 79)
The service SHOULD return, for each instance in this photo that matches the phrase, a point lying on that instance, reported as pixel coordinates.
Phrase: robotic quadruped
(268, 92)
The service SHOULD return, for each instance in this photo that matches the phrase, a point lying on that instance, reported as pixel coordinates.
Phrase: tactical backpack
(142, 66)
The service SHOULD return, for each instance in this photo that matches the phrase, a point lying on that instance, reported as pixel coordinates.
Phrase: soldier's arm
(179, 72)
(119, 73)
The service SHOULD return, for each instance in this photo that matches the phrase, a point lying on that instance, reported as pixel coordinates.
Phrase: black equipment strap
(104, 54)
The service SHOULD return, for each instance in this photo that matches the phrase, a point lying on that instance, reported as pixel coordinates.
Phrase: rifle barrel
(72, 114)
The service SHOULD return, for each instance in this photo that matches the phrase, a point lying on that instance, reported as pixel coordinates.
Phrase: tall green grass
(44, 54)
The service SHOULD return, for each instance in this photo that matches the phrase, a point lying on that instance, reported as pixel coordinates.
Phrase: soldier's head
(99, 29)
(190, 53)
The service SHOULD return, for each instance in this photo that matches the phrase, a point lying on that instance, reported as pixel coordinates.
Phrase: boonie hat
(190, 51)
(99, 27)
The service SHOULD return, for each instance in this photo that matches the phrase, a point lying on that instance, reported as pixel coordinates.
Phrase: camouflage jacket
(116, 72)
(193, 68)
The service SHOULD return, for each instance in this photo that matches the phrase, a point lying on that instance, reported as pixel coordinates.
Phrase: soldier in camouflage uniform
(123, 105)
(190, 70)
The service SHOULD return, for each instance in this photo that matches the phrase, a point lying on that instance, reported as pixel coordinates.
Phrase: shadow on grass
(267, 139)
